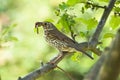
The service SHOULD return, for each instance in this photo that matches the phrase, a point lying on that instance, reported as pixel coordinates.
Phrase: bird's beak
(38, 24)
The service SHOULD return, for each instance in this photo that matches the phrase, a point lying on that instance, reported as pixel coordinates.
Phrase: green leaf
(63, 6)
(118, 2)
(57, 12)
(117, 9)
(35, 30)
(104, 0)
(12, 38)
(82, 34)
(7, 29)
(91, 23)
(114, 22)
(76, 57)
(49, 20)
(73, 2)
(64, 22)
(82, 10)
(108, 35)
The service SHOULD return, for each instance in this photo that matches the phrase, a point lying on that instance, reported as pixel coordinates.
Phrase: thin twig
(69, 76)
(72, 33)
(95, 5)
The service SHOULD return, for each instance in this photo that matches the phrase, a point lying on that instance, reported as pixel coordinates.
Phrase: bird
(58, 39)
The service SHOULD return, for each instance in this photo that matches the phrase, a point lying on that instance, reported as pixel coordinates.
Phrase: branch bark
(92, 46)
(94, 39)
(94, 71)
(108, 66)
(85, 46)
(111, 66)
(45, 68)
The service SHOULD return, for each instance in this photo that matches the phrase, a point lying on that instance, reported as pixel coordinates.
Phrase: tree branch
(94, 39)
(49, 66)
(45, 68)
(93, 42)
(85, 46)
(111, 66)
(92, 74)
(110, 59)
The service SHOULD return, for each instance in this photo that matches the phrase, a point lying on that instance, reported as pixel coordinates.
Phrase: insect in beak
(38, 24)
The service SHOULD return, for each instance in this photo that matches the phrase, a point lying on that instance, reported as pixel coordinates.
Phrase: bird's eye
(45, 24)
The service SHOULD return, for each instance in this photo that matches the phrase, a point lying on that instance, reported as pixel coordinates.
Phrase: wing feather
(63, 37)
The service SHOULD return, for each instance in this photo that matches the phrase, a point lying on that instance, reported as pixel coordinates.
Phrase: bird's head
(45, 25)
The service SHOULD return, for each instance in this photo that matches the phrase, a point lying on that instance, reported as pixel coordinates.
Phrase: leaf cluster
(6, 34)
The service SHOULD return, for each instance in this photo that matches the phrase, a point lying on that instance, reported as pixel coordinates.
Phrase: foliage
(6, 34)
(79, 18)
(76, 18)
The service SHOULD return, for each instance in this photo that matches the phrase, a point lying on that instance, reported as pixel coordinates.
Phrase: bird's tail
(81, 50)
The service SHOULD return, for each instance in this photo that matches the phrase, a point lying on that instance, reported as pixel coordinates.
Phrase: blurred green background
(22, 50)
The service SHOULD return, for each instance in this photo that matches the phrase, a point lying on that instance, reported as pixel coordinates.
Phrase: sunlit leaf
(118, 2)
(104, 0)
(109, 35)
(49, 20)
(114, 22)
(12, 38)
(91, 23)
(82, 34)
(117, 9)
(63, 6)
(35, 30)
(8, 29)
(57, 12)
(73, 2)
(76, 57)
(64, 22)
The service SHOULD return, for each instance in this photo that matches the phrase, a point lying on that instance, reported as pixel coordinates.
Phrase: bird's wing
(63, 37)
(70, 42)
